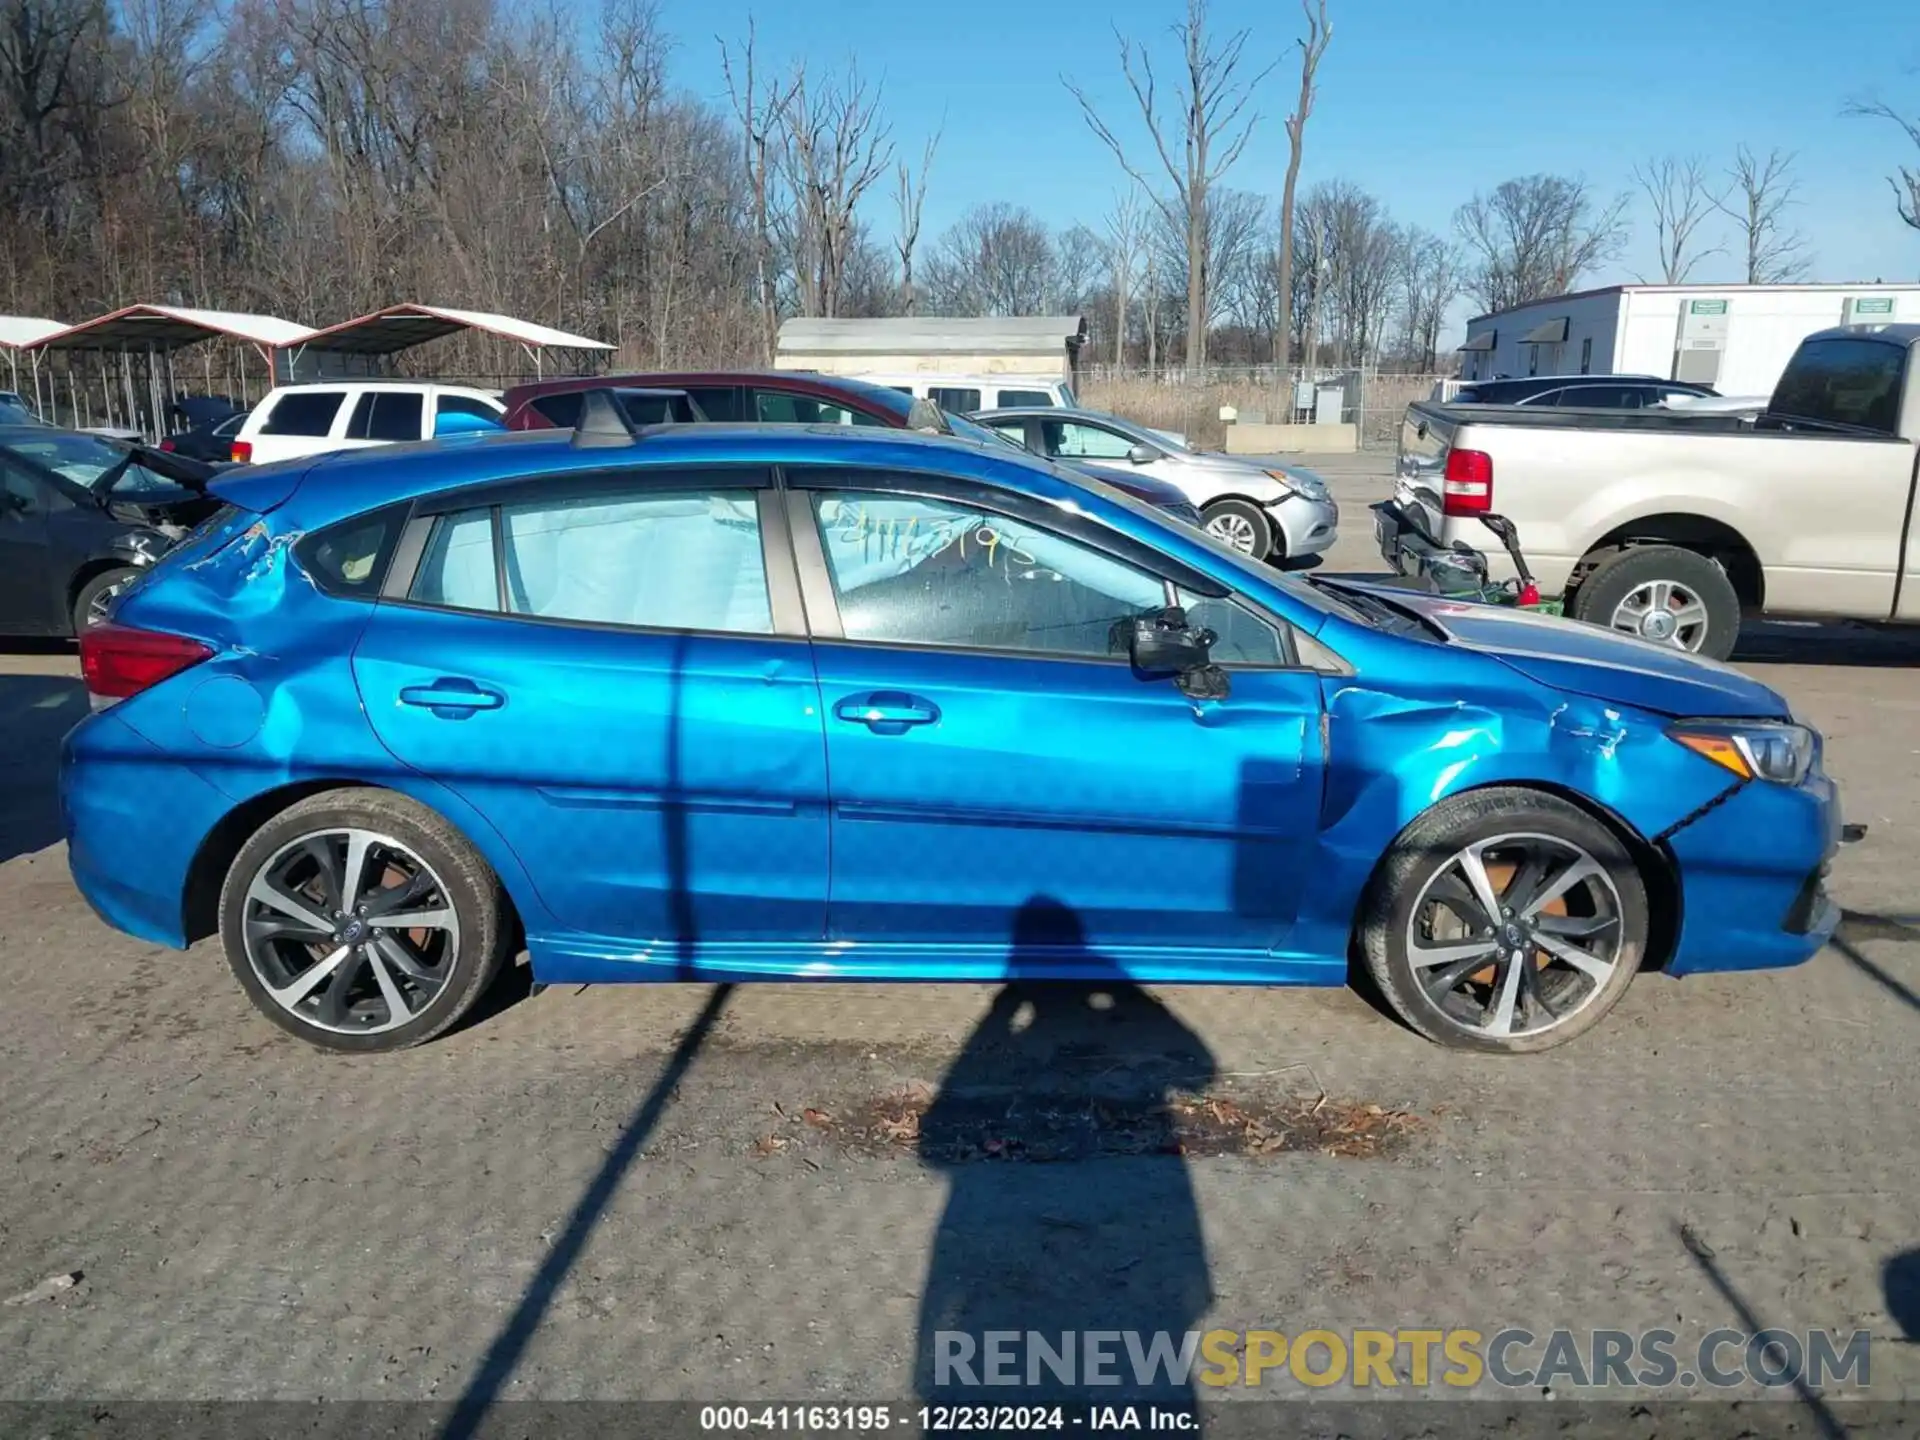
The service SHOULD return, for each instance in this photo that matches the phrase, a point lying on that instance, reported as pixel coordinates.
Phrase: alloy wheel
(101, 603)
(1665, 612)
(350, 931)
(1234, 530)
(1515, 935)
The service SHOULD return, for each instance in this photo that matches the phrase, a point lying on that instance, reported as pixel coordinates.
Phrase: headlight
(1307, 485)
(1760, 750)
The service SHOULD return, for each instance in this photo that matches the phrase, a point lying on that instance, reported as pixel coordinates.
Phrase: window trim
(785, 612)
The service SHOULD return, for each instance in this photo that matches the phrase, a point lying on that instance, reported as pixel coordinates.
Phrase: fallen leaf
(769, 1145)
(819, 1119)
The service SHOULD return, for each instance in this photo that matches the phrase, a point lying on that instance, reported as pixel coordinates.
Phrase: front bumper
(1304, 526)
(1753, 877)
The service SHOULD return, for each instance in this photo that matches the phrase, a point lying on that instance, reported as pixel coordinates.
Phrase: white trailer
(1736, 338)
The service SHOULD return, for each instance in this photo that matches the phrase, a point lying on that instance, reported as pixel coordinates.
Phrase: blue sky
(1420, 102)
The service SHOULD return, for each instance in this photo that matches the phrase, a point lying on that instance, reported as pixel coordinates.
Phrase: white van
(297, 420)
(964, 394)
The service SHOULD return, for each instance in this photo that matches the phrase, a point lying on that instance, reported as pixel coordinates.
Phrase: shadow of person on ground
(1901, 1280)
(36, 711)
(1109, 1239)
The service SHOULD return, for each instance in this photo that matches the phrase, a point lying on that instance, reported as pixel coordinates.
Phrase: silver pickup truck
(1673, 526)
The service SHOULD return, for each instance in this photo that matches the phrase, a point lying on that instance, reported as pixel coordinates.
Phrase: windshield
(14, 412)
(93, 463)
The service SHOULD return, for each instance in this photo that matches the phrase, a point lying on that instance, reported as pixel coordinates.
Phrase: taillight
(167, 444)
(241, 453)
(118, 660)
(1468, 486)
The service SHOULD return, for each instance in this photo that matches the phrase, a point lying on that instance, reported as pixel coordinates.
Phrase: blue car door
(612, 673)
(988, 748)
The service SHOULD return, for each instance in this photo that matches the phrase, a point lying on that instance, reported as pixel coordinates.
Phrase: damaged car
(81, 518)
(732, 703)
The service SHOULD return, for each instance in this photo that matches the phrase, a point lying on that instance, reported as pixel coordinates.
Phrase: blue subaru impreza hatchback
(721, 702)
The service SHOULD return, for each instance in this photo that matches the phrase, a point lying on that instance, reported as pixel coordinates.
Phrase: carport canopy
(401, 327)
(18, 332)
(170, 327)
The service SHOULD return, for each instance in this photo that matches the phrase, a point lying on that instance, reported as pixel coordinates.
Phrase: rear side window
(1844, 382)
(676, 561)
(1010, 398)
(954, 398)
(780, 407)
(464, 405)
(351, 558)
(561, 410)
(305, 412)
(386, 415)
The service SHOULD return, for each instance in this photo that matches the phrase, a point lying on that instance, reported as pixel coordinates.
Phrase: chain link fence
(1172, 398)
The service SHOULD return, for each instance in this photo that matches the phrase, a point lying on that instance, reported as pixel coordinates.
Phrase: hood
(1588, 660)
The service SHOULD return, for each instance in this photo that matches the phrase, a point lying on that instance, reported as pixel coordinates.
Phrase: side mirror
(1143, 455)
(1162, 644)
(456, 422)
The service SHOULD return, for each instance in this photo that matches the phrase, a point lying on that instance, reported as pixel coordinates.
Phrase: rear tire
(1544, 971)
(1246, 527)
(90, 605)
(1649, 589)
(311, 912)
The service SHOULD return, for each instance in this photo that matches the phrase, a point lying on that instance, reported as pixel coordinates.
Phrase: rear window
(351, 558)
(1844, 382)
(305, 412)
(717, 402)
(1010, 398)
(385, 415)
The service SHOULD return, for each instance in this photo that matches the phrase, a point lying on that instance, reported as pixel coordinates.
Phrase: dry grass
(1194, 411)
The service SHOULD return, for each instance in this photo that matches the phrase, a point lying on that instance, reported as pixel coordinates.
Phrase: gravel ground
(676, 1192)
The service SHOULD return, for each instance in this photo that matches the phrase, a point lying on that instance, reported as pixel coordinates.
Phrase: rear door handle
(452, 697)
(886, 712)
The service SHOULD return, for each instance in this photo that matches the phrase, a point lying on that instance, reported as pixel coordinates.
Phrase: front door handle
(886, 712)
(452, 697)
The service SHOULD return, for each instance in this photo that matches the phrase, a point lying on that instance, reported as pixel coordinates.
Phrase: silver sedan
(1266, 511)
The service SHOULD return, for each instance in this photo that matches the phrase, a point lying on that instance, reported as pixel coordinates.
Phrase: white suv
(297, 420)
(964, 394)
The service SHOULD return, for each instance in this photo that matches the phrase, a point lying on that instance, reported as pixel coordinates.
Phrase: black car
(1585, 392)
(211, 442)
(80, 518)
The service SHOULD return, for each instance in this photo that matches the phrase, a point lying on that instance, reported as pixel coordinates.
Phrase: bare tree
(1682, 197)
(1536, 236)
(1319, 33)
(1125, 229)
(760, 111)
(834, 148)
(996, 259)
(1760, 194)
(1209, 130)
(1905, 179)
(908, 193)
(1429, 282)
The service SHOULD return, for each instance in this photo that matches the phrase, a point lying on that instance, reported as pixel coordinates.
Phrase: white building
(1041, 345)
(1735, 338)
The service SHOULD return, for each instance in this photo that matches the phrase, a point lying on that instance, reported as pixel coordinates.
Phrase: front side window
(779, 407)
(687, 560)
(305, 412)
(386, 415)
(21, 496)
(914, 571)
(1073, 440)
(1240, 636)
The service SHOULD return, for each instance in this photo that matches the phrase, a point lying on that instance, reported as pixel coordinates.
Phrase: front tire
(96, 597)
(1243, 526)
(361, 921)
(1506, 921)
(1664, 594)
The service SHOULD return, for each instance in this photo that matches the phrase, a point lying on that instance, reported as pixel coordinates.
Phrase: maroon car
(789, 397)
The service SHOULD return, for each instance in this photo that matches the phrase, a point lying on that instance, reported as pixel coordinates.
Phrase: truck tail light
(167, 444)
(241, 453)
(118, 661)
(1467, 488)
